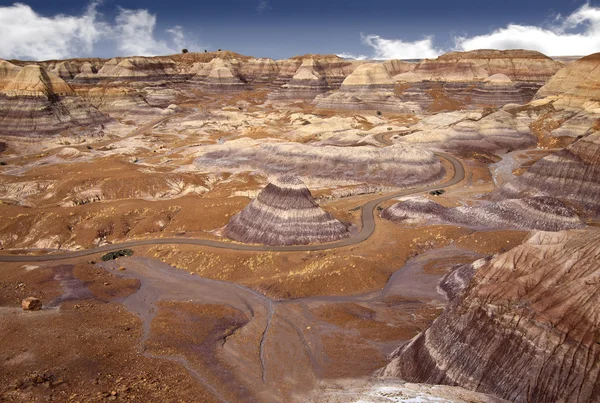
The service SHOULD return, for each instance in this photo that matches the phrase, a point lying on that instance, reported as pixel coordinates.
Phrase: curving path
(368, 227)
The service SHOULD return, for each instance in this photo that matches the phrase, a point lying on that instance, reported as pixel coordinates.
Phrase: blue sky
(276, 28)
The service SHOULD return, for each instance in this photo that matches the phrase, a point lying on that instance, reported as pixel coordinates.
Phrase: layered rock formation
(285, 213)
(133, 69)
(572, 175)
(369, 87)
(576, 86)
(65, 70)
(259, 71)
(395, 165)
(461, 75)
(220, 75)
(542, 213)
(117, 100)
(496, 90)
(497, 133)
(523, 326)
(8, 72)
(38, 102)
(307, 82)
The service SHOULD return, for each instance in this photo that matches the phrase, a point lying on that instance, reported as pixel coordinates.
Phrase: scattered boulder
(31, 304)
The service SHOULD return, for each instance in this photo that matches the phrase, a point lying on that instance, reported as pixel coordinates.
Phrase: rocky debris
(31, 304)
(285, 213)
(523, 326)
(576, 86)
(398, 165)
(542, 213)
(572, 175)
(369, 87)
(38, 102)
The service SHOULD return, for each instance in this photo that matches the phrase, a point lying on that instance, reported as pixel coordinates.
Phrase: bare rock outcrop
(38, 102)
(66, 70)
(395, 165)
(462, 131)
(285, 213)
(542, 213)
(132, 69)
(8, 72)
(523, 326)
(220, 75)
(496, 90)
(369, 87)
(306, 83)
(572, 175)
(576, 86)
(460, 75)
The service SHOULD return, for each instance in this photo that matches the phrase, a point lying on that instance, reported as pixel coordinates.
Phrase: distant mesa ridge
(285, 213)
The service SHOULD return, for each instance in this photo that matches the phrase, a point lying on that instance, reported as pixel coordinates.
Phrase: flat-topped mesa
(369, 87)
(576, 86)
(456, 73)
(38, 102)
(542, 213)
(308, 81)
(523, 326)
(219, 75)
(285, 213)
(134, 69)
(572, 175)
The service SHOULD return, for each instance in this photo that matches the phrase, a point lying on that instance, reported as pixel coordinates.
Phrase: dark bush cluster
(116, 254)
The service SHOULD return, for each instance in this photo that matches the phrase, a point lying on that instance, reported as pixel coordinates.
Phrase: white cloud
(559, 39)
(352, 56)
(264, 5)
(577, 34)
(398, 49)
(134, 34)
(26, 34)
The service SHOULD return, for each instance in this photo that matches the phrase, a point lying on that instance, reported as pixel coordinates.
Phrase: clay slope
(572, 175)
(461, 76)
(219, 75)
(38, 102)
(307, 82)
(576, 86)
(523, 326)
(542, 213)
(132, 68)
(284, 213)
(395, 165)
(369, 87)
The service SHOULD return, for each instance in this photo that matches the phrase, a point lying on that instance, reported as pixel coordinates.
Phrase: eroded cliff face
(572, 175)
(524, 326)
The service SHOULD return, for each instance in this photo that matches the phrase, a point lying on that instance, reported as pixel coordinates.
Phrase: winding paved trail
(368, 227)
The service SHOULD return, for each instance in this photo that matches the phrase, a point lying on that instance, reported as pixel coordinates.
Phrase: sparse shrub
(184, 50)
(205, 51)
(116, 254)
(3, 163)
(379, 113)
(219, 50)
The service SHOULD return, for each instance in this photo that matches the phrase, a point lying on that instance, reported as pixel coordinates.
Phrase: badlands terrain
(309, 229)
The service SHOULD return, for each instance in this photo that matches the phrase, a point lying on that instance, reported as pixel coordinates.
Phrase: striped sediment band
(285, 213)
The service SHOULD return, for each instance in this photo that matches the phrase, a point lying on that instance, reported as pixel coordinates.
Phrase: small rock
(122, 268)
(31, 304)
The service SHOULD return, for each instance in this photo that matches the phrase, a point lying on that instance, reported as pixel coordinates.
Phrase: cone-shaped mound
(285, 213)
(33, 80)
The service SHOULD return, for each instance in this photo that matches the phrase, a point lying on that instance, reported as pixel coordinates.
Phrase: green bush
(116, 254)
